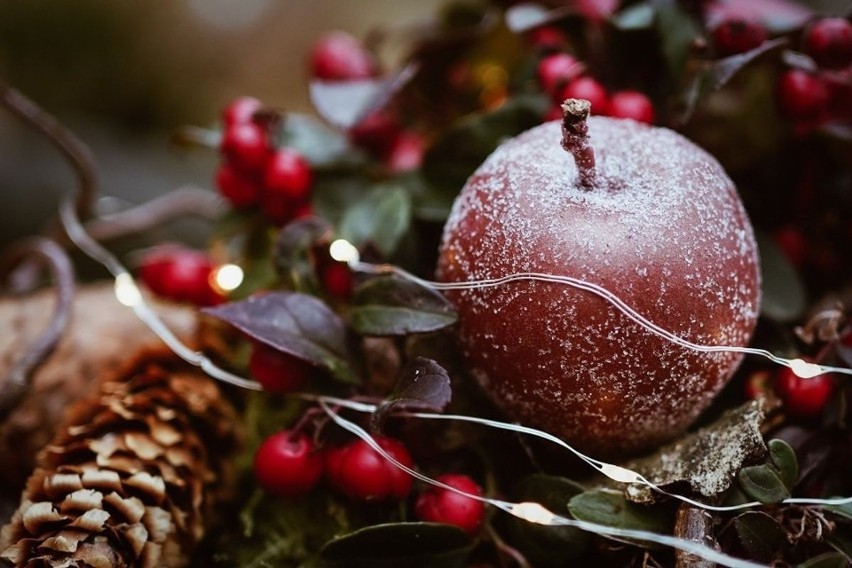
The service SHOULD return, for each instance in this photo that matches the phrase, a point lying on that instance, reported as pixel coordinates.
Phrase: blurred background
(125, 75)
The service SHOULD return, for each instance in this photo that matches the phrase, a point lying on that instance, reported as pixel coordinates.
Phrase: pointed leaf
(320, 145)
(678, 31)
(345, 103)
(381, 218)
(294, 323)
(783, 293)
(392, 306)
(613, 510)
(417, 545)
(638, 16)
(423, 385)
(777, 15)
(762, 483)
(544, 545)
(784, 459)
(292, 252)
(525, 16)
(844, 511)
(761, 535)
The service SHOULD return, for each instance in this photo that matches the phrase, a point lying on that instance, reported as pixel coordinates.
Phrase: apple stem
(575, 139)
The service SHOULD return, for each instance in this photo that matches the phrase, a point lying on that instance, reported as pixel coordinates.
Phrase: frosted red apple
(656, 221)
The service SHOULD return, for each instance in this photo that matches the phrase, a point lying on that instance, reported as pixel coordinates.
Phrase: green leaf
(761, 535)
(841, 540)
(844, 511)
(784, 459)
(613, 510)
(543, 545)
(783, 294)
(465, 145)
(293, 252)
(336, 191)
(762, 483)
(381, 218)
(412, 545)
(827, 560)
(392, 306)
(638, 16)
(320, 145)
(298, 324)
(677, 31)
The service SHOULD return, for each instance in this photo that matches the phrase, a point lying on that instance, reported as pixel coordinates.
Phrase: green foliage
(761, 535)
(392, 306)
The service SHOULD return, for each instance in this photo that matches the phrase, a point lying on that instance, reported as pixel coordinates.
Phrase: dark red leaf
(423, 385)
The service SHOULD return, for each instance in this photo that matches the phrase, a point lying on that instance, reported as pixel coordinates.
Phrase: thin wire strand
(598, 291)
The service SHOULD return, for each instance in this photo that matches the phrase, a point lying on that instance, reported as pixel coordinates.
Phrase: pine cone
(99, 337)
(132, 477)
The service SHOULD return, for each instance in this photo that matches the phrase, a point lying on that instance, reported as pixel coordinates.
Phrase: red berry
(237, 187)
(240, 110)
(288, 174)
(439, 505)
(737, 36)
(555, 70)
(829, 42)
(803, 398)
(546, 38)
(246, 146)
(278, 372)
(286, 464)
(376, 132)
(801, 95)
(182, 275)
(405, 153)
(589, 89)
(338, 56)
(360, 472)
(631, 104)
(336, 279)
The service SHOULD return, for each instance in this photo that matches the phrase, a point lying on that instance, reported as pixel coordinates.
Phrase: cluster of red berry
(804, 399)
(182, 275)
(812, 96)
(562, 76)
(253, 172)
(339, 57)
(288, 464)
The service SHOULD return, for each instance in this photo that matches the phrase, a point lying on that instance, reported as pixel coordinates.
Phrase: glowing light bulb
(126, 291)
(228, 277)
(533, 512)
(804, 369)
(342, 250)
(618, 473)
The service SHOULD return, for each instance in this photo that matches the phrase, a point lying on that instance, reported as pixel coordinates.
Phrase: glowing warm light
(228, 277)
(805, 369)
(618, 473)
(342, 250)
(126, 291)
(533, 512)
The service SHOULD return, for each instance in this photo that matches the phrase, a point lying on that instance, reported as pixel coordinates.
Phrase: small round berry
(631, 104)
(737, 36)
(287, 465)
(361, 473)
(589, 89)
(439, 505)
(239, 189)
(182, 275)
(278, 372)
(288, 174)
(801, 95)
(336, 278)
(376, 132)
(240, 110)
(555, 70)
(405, 153)
(829, 42)
(547, 38)
(339, 56)
(246, 146)
(804, 399)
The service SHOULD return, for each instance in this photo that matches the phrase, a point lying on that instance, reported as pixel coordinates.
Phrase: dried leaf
(709, 459)
(392, 306)
(298, 324)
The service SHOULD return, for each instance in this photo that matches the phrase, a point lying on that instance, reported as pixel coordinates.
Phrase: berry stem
(575, 139)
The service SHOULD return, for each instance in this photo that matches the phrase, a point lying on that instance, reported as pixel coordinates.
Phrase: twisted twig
(50, 253)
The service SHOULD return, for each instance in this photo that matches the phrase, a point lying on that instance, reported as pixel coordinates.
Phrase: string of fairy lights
(229, 276)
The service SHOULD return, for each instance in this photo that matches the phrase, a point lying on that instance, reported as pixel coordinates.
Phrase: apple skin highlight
(663, 228)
